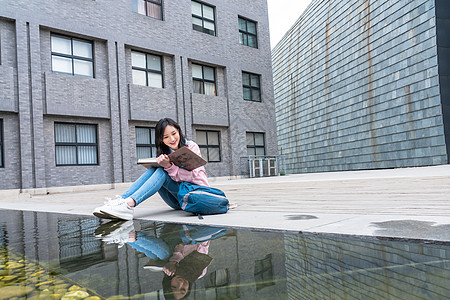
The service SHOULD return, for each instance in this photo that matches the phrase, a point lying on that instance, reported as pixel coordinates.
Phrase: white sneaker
(120, 235)
(121, 210)
(108, 202)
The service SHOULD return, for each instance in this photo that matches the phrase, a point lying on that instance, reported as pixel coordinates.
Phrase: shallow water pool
(58, 256)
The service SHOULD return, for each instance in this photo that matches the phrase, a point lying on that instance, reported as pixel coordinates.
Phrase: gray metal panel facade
(33, 98)
(357, 87)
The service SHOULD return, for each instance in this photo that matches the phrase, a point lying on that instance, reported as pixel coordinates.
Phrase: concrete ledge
(9, 194)
(28, 193)
(406, 203)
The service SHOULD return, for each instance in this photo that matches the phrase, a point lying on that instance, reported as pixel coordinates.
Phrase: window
(72, 56)
(203, 18)
(145, 142)
(247, 33)
(76, 144)
(77, 242)
(204, 80)
(209, 143)
(251, 87)
(147, 69)
(218, 285)
(264, 272)
(150, 8)
(1, 144)
(255, 144)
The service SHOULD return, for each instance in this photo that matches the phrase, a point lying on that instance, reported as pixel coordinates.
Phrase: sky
(282, 15)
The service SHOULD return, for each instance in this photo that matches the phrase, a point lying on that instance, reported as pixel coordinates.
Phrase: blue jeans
(152, 181)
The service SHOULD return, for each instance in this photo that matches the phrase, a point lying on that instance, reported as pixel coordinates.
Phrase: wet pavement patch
(300, 217)
(419, 229)
(58, 256)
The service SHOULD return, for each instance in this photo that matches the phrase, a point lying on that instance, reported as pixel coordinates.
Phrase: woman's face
(179, 286)
(171, 137)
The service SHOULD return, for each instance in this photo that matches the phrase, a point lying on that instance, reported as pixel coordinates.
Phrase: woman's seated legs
(154, 180)
(139, 182)
(169, 197)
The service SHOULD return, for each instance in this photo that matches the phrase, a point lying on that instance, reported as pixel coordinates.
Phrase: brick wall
(357, 87)
(38, 97)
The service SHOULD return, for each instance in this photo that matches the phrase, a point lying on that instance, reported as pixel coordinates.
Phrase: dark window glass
(1, 144)
(264, 272)
(204, 80)
(251, 87)
(247, 33)
(145, 142)
(72, 56)
(76, 144)
(147, 69)
(151, 8)
(255, 143)
(209, 143)
(218, 285)
(203, 18)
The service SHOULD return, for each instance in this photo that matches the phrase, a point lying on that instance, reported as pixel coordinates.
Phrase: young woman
(165, 180)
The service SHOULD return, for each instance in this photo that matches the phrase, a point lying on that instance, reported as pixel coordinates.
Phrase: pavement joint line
(331, 223)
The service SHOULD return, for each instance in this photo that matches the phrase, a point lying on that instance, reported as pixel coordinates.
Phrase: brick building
(364, 85)
(83, 83)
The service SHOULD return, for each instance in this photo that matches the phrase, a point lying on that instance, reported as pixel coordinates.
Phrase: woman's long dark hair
(162, 148)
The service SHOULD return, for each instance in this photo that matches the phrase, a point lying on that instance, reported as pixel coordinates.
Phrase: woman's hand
(170, 268)
(164, 161)
(132, 237)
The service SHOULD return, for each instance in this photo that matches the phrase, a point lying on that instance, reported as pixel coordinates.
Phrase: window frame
(260, 271)
(146, 70)
(203, 18)
(208, 146)
(251, 87)
(76, 144)
(203, 80)
(71, 56)
(2, 153)
(254, 146)
(152, 144)
(146, 8)
(246, 33)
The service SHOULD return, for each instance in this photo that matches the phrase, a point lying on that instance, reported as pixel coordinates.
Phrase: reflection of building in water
(36, 236)
(237, 270)
(245, 264)
(355, 268)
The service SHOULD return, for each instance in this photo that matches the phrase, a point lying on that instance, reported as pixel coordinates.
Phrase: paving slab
(412, 203)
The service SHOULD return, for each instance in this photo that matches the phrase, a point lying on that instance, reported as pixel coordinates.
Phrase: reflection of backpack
(195, 234)
(202, 199)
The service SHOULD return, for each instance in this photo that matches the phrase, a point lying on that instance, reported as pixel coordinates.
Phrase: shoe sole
(102, 215)
(109, 216)
(108, 227)
(153, 268)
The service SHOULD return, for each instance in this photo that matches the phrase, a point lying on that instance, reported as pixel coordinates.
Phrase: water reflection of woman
(187, 264)
(181, 251)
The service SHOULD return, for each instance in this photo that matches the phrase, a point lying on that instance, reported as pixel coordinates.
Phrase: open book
(183, 157)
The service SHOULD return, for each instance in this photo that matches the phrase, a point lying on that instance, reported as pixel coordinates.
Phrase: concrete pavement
(411, 203)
